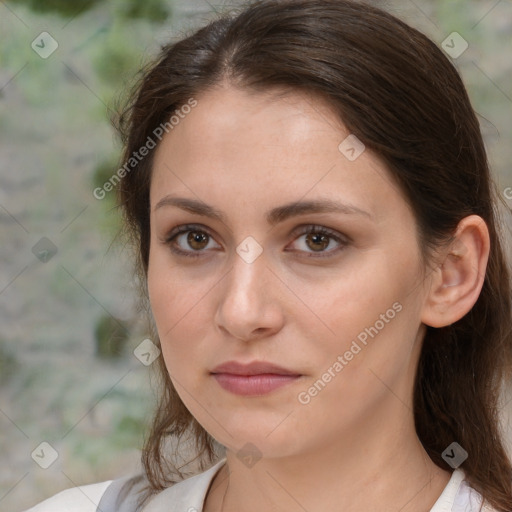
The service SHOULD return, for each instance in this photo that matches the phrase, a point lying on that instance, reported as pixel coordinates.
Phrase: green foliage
(116, 58)
(111, 336)
(152, 10)
(8, 362)
(114, 63)
(454, 16)
(129, 431)
(127, 411)
(103, 172)
(64, 8)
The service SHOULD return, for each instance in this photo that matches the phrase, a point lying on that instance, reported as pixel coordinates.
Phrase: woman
(317, 232)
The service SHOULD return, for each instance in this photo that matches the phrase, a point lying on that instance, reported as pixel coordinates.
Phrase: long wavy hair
(401, 96)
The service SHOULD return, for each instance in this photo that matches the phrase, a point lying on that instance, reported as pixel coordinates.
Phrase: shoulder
(471, 499)
(78, 499)
(188, 494)
(124, 495)
(459, 496)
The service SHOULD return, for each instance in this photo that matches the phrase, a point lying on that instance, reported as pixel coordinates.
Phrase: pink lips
(257, 378)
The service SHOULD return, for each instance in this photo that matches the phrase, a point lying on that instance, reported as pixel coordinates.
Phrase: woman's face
(340, 311)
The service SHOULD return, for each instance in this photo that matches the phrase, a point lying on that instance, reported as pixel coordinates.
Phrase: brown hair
(401, 96)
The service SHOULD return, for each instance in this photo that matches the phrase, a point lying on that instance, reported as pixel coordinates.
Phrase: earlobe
(457, 281)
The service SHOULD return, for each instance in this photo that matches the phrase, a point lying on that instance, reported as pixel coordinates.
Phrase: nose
(249, 307)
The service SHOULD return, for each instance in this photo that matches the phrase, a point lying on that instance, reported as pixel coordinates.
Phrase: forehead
(252, 148)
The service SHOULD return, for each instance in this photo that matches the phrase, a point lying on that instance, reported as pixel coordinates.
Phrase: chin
(259, 435)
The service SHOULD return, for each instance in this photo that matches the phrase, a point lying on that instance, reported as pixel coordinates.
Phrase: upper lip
(254, 368)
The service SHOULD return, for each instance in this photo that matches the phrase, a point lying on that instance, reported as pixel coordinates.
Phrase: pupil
(319, 238)
(195, 237)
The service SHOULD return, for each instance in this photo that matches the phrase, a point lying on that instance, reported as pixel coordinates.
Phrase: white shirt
(189, 496)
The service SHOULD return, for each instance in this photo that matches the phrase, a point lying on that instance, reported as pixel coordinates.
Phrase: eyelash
(308, 229)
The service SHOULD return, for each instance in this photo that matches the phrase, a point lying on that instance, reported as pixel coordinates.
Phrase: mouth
(254, 379)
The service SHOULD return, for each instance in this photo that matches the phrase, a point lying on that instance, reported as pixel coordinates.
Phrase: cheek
(166, 300)
(179, 307)
(356, 296)
(168, 289)
(372, 310)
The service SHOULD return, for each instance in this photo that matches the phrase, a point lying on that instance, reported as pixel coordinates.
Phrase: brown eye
(189, 240)
(196, 240)
(317, 241)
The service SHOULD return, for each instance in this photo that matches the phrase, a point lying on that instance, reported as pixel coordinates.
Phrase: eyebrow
(273, 217)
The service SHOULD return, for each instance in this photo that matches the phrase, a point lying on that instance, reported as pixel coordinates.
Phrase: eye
(319, 238)
(192, 240)
(189, 236)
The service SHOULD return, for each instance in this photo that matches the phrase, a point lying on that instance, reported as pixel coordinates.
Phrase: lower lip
(252, 385)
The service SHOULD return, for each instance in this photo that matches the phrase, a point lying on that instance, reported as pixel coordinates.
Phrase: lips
(253, 379)
(254, 368)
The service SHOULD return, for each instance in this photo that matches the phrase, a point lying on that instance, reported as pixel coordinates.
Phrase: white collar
(189, 494)
(185, 496)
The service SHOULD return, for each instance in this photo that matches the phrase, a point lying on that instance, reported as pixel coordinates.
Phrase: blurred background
(74, 398)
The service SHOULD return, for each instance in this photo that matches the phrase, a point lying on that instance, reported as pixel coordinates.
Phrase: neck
(392, 473)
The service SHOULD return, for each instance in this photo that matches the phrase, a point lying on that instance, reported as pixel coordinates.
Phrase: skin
(353, 447)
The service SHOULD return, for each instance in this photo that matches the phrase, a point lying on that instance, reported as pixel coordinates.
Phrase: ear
(457, 281)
